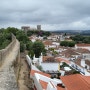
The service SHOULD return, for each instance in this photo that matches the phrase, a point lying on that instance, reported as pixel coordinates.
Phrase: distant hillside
(85, 32)
(82, 32)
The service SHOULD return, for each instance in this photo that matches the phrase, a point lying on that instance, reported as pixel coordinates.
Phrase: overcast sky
(51, 14)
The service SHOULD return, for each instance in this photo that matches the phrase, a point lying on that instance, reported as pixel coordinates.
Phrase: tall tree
(67, 43)
(38, 47)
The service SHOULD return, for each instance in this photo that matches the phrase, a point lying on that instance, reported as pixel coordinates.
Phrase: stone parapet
(8, 79)
(7, 50)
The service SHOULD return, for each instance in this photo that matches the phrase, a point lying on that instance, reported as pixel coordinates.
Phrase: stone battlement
(7, 50)
(9, 55)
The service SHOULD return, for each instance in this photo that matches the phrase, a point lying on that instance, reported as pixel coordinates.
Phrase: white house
(37, 60)
(42, 81)
(85, 46)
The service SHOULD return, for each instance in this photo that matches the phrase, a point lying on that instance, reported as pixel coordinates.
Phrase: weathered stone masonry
(8, 56)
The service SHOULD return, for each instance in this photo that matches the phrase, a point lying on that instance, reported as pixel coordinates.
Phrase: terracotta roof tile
(87, 79)
(78, 61)
(62, 60)
(76, 82)
(47, 42)
(82, 50)
(34, 71)
(69, 53)
(87, 62)
(43, 84)
(48, 58)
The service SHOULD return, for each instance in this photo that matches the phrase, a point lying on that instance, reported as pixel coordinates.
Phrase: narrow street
(25, 83)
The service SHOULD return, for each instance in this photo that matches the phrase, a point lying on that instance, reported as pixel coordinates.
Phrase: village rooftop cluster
(58, 70)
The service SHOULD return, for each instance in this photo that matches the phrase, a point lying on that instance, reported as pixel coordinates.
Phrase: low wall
(7, 50)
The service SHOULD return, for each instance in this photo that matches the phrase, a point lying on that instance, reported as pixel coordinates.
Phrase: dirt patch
(24, 81)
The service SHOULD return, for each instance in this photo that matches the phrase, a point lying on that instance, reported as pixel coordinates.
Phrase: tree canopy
(5, 37)
(67, 43)
(25, 44)
(38, 47)
(81, 39)
(38, 33)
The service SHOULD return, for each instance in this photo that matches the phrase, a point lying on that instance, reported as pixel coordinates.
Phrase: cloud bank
(51, 14)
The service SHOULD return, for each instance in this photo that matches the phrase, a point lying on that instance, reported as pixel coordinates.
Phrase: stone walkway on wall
(25, 83)
(7, 76)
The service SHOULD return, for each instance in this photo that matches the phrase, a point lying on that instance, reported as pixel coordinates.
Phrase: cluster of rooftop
(77, 58)
(43, 81)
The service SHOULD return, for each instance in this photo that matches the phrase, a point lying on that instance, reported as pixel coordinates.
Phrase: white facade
(83, 63)
(86, 55)
(38, 60)
(51, 83)
(29, 61)
(84, 47)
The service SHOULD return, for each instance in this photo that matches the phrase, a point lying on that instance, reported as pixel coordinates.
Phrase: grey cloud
(54, 14)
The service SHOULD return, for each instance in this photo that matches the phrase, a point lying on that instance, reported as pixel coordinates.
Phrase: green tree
(44, 52)
(38, 47)
(31, 54)
(64, 43)
(11, 30)
(86, 40)
(2, 38)
(5, 44)
(46, 33)
(54, 53)
(5, 39)
(29, 33)
(21, 36)
(22, 46)
(71, 43)
(51, 49)
(1, 30)
(8, 36)
(29, 45)
(67, 43)
(38, 33)
(78, 38)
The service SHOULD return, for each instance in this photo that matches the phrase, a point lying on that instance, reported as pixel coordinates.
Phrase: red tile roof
(69, 53)
(62, 60)
(76, 82)
(82, 50)
(78, 61)
(43, 84)
(48, 58)
(34, 71)
(47, 42)
(87, 79)
(87, 62)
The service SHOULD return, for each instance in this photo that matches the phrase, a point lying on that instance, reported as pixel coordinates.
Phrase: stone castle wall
(7, 50)
(9, 55)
